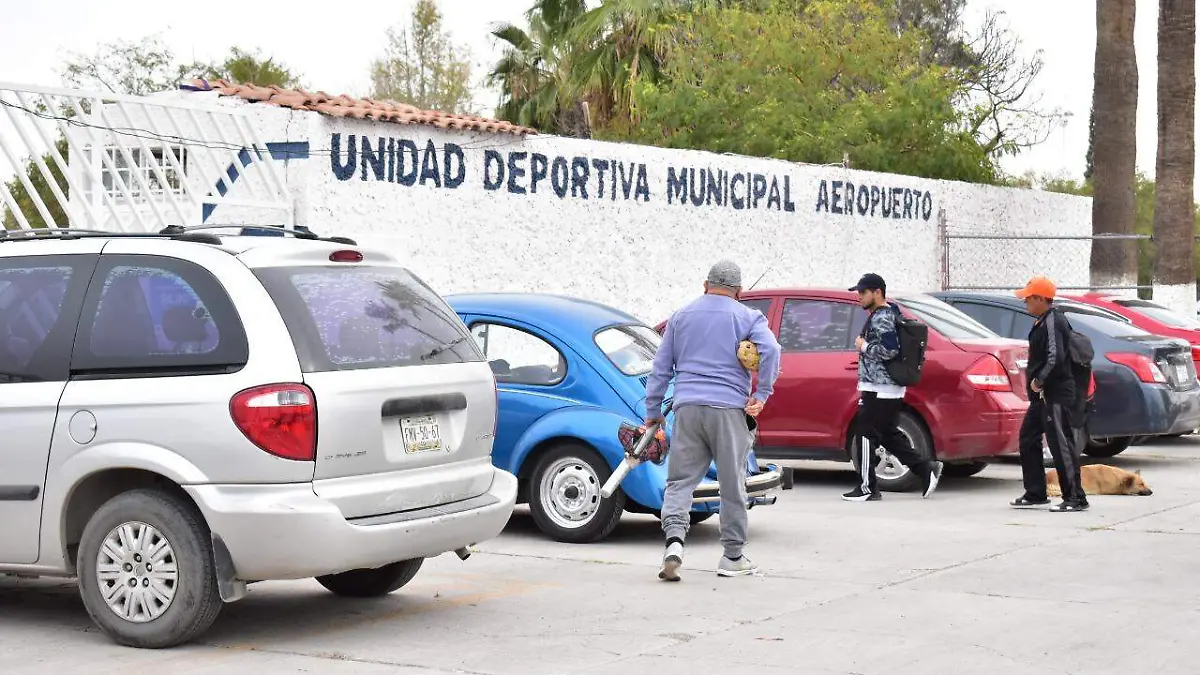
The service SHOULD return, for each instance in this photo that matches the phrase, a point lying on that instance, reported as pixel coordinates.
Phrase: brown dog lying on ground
(1102, 479)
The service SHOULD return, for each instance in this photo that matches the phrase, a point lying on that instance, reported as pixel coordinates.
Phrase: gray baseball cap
(725, 273)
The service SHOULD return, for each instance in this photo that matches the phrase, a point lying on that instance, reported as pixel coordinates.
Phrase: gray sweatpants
(703, 434)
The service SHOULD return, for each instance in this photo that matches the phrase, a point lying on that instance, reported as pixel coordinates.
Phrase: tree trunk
(1174, 210)
(1114, 101)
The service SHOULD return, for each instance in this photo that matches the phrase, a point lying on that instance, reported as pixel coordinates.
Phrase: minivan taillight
(988, 374)
(1147, 370)
(1091, 386)
(279, 418)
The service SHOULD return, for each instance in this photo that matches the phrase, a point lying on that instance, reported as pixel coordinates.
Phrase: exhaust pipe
(463, 553)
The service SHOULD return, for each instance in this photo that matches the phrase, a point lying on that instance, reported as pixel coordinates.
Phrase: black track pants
(877, 426)
(1052, 420)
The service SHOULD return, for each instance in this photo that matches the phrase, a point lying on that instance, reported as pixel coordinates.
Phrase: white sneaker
(672, 561)
(736, 568)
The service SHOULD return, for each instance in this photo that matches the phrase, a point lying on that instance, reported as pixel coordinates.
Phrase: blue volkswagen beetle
(568, 373)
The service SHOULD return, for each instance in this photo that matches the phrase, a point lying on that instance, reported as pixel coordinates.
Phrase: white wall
(641, 248)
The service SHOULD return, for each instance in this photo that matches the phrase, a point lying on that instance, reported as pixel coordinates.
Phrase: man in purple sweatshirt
(711, 401)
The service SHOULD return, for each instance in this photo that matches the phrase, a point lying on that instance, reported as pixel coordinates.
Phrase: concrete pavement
(959, 583)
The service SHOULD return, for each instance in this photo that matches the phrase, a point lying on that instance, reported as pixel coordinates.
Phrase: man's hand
(859, 342)
(1035, 385)
(651, 421)
(754, 407)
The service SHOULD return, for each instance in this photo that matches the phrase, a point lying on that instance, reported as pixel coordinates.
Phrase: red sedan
(1150, 317)
(967, 409)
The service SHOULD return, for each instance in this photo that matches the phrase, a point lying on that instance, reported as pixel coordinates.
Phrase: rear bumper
(994, 432)
(1145, 410)
(758, 485)
(288, 532)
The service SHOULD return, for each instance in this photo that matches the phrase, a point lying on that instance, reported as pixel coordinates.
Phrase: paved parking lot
(956, 584)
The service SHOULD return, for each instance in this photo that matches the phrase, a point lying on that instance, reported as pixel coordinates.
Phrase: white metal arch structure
(100, 161)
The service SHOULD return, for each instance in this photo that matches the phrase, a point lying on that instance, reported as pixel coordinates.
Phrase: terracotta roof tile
(356, 108)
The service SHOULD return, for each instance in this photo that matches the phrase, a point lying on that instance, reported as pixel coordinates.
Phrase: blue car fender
(596, 427)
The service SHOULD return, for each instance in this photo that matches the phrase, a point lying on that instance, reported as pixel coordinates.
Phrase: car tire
(698, 517)
(1110, 447)
(371, 583)
(963, 470)
(911, 426)
(135, 532)
(564, 495)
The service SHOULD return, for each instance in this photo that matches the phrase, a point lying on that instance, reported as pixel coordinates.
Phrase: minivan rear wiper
(438, 350)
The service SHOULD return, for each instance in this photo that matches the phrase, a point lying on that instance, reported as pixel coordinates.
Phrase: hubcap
(570, 491)
(137, 572)
(889, 467)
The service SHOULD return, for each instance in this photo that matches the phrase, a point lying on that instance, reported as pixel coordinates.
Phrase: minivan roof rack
(81, 233)
(300, 232)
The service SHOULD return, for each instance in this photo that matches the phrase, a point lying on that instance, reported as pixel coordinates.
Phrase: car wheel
(146, 570)
(963, 470)
(1107, 447)
(371, 583)
(890, 474)
(564, 495)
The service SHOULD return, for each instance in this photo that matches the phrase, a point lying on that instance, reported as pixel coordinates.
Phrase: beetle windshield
(630, 348)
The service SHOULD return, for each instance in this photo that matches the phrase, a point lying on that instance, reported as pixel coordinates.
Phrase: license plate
(1181, 374)
(421, 434)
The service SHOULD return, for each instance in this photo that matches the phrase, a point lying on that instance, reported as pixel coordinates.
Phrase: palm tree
(532, 73)
(1114, 101)
(1174, 204)
(623, 41)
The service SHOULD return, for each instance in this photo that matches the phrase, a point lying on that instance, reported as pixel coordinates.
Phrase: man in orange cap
(1051, 388)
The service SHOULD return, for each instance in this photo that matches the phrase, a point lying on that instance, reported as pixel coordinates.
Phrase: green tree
(129, 67)
(739, 81)
(245, 67)
(25, 203)
(533, 72)
(421, 66)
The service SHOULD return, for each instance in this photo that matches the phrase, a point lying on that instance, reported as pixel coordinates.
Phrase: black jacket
(1049, 364)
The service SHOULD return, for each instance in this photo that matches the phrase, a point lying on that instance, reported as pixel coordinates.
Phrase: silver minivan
(187, 412)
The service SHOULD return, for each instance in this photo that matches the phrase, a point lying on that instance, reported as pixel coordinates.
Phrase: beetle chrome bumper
(759, 489)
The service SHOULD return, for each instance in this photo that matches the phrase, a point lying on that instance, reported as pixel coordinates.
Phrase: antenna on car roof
(765, 272)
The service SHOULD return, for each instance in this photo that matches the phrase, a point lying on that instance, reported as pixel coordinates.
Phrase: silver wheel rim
(137, 572)
(570, 492)
(889, 467)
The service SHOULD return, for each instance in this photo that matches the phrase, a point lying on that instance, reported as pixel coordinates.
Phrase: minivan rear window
(347, 318)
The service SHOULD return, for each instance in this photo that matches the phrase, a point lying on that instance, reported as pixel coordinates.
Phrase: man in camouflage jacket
(881, 398)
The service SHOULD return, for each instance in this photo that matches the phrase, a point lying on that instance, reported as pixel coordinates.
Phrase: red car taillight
(1196, 353)
(1146, 369)
(988, 374)
(1091, 386)
(279, 418)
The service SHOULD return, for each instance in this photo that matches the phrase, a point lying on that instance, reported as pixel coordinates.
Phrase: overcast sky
(333, 50)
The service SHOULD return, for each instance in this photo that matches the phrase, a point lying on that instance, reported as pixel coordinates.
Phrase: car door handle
(853, 365)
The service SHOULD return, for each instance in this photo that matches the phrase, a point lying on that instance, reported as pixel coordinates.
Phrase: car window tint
(519, 357)
(31, 303)
(146, 312)
(998, 319)
(350, 318)
(1022, 324)
(1105, 326)
(950, 322)
(815, 325)
(763, 305)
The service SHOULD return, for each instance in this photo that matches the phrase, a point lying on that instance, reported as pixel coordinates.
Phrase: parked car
(1145, 384)
(966, 411)
(569, 373)
(185, 413)
(1148, 316)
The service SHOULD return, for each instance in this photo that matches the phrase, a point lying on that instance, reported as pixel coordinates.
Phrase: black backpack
(905, 369)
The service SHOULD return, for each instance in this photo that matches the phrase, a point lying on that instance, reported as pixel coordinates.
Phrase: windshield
(630, 348)
(951, 323)
(1105, 326)
(1161, 314)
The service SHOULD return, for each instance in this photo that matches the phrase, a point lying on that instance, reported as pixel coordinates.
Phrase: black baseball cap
(869, 282)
